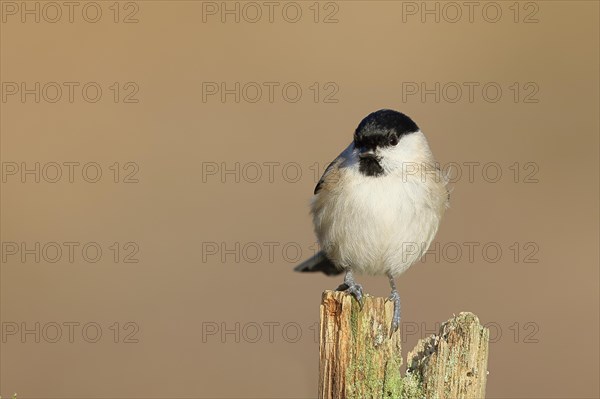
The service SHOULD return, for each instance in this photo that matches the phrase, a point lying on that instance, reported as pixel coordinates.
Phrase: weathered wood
(453, 363)
(360, 358)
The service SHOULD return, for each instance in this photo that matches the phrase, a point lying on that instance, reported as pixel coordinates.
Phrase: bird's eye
(393, 140)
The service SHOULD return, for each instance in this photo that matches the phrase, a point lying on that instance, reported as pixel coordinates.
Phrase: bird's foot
(353, 289)
(395, 297)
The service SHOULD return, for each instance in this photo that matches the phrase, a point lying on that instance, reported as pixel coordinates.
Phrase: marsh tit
(381, 198)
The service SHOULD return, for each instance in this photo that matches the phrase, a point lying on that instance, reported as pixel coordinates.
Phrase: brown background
(172, 292)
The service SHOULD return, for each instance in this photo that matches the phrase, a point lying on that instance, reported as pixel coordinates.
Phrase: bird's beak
(366, 153)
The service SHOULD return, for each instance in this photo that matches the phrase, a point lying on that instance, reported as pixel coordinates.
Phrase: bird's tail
(318, 263)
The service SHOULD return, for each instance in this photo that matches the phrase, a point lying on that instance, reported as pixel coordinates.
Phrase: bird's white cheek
(392, 159)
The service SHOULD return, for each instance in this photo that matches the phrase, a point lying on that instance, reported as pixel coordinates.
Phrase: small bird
(378, 205)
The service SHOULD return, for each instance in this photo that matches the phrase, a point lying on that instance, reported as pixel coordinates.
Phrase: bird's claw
(355, 290)
(395, 297)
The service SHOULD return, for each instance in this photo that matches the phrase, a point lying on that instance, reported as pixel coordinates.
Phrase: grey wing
(322, 179)
(439, 171)
(333, 167)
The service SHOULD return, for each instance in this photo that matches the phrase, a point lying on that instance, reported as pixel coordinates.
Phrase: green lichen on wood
(370, 348)
(412, 387)
(363, 375)
(396, 385)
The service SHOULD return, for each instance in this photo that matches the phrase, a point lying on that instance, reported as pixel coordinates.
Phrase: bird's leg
(351, 287)
(394, 296)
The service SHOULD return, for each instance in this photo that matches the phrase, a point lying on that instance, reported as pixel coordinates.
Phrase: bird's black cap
(381, 127)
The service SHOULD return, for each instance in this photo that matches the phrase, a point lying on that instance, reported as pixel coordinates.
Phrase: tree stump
(361, 358)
